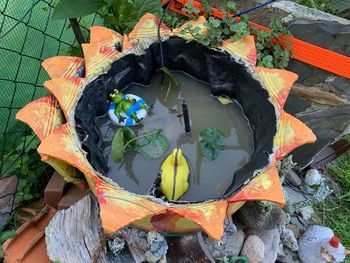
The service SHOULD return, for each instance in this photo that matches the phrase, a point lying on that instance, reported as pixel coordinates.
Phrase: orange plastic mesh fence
(303, 51)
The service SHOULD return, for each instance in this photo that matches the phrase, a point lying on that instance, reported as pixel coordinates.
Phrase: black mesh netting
(27, 37)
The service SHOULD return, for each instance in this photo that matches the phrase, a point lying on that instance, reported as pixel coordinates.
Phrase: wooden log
(76, 235)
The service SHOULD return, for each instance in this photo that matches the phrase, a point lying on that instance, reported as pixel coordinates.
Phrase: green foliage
(270, 54)
(24, 161)
(174, 20)
(77, 8)
(152, 144)
(210, 142)
(122, 15)
(330, 6)
(4, 235)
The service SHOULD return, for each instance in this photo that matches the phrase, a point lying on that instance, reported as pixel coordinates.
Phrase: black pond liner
(219, 69)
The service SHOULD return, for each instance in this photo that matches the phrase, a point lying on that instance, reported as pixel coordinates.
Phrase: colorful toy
(127, 109)
(174, 175)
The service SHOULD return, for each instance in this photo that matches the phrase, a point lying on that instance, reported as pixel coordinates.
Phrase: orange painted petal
(291, 133)
(147, 28)
(199, 22)
(98, 58)
(103, 34)
(209, 216)
(42, 116)
(278, 83)
(63, 66)
(265, 186)
(62, 144)
(243, 48)
(119, 208)
(66, 90)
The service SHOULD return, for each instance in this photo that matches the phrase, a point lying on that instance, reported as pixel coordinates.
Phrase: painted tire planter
(68, 143)
(128, 121)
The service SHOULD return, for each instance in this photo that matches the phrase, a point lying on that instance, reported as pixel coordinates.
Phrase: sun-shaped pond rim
(52, 120)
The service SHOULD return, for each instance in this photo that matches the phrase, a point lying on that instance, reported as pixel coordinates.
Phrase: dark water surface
(208, 179)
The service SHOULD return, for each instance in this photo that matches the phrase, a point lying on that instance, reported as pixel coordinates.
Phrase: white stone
(307, 212)
(253, 249)
(313, 177)
(289, 240)
(297, 11)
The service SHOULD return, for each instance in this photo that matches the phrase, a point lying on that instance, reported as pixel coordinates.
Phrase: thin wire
(254, 8)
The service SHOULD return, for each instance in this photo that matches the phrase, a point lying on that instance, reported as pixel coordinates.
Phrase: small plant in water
(210, 141)
(152, 144)
(270, 53)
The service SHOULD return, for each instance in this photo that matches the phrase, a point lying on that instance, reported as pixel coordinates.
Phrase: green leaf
(153, 144)
(209, 142)
(6, 235)
(267, 61)
(168, 73)
(76, 8)
(118, 146)
(129, 137)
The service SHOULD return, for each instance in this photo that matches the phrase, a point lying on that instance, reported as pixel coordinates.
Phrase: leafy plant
(4, 235)
(121, 15)
(174, 20)
(330, 6)
(270, 53)
(210, 142)
(152, 144)
(172, 80)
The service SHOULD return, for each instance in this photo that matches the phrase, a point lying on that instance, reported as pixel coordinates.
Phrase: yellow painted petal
(145, 31)
(63, 66)
(199, 22)
(291, 133)
(278, 83)
(209, 216)
(265, 186)
(119, 208)
(103, 34)
(66, 90)
(243, 48)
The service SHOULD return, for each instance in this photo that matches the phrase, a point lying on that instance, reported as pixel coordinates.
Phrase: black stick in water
(186, 117)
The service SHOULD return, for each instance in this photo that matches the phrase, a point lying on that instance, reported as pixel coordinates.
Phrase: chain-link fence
(27, 37)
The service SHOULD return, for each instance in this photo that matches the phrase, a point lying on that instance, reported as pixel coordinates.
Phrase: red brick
(55, 190)
(73, 195)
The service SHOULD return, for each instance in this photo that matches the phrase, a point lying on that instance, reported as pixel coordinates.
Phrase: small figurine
(127, 109)
(174, 174)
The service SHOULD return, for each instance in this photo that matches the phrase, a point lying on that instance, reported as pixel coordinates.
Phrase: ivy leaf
(267, 61)
(118, 146)
(153, 144)
(129, 137)
(232, 7)
(209, 142)
(77, 8)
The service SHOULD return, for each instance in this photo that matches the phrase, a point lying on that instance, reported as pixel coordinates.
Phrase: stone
(251, 216)
(307, 212)
(271, 240)
(230, 244)
(253, 249)
(294, 229)
(289, 240)
(281, 257)
(7, 192)
(291, 256)
(293, 178)
(297, 11)
(316, 240)
(313, 177)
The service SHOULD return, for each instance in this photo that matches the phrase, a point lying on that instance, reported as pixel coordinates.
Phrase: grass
(335, 212)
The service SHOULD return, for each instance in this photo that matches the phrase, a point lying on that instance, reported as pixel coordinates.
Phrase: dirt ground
(261, 16)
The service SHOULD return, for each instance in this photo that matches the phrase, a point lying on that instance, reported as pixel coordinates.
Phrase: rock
(317, 239)
(253, 249)
(313, 177)
(116, 245)
(291, 256)
(281, 257)
(7, 189)
(230, 244)
(271, 240)
(289, 240)
(293, 178)
(294, 229)
(252, 217)
(307, 212)
(297, 11)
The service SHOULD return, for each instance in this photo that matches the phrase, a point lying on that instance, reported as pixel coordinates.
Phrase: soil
(261, 16)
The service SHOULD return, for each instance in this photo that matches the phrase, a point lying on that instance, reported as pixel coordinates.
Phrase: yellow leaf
(224, 100)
